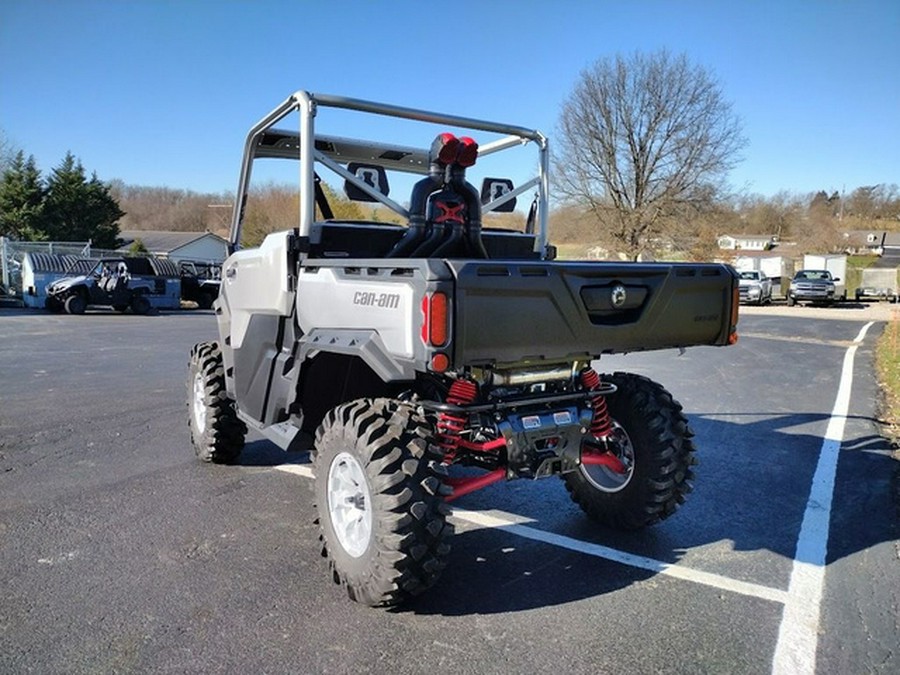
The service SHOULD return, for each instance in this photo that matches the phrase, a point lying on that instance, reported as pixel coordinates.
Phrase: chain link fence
(12, 254)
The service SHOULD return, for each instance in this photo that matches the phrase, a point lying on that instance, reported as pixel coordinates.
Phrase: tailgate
(507, 312)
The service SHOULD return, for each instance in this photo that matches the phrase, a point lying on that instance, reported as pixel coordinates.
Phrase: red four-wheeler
(400, 352)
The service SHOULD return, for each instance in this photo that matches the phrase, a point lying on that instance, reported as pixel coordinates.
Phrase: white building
(747, 242)
(177, 246)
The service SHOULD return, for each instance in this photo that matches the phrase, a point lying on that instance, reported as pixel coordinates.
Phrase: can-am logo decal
(380, 300)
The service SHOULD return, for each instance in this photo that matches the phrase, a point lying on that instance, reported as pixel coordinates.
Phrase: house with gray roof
(177, 246)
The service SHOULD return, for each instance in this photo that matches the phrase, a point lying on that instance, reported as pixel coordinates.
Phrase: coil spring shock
(601, 424)
(450, 425)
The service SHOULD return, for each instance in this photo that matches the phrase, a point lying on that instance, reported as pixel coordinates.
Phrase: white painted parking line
(513, 524)
(304, 470)
(795, 652)
(597, 550)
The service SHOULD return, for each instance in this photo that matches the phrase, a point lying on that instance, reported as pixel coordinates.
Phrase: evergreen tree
(78, 209)
(21, 200)
(138, 248)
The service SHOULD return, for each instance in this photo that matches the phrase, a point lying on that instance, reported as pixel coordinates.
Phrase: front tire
(380, 500)
(653, 441)
(216, 431)
(75, 304)
(205, 301)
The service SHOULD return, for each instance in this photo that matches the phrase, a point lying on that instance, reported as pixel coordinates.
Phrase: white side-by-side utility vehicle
(401, 353)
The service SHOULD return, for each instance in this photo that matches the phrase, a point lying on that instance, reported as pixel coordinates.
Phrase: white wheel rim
(349, 504)
(199, 402)
(605, 479)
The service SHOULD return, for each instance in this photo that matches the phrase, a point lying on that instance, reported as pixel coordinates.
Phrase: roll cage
(336, 153)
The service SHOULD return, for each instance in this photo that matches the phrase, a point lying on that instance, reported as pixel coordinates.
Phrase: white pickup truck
(755, 287)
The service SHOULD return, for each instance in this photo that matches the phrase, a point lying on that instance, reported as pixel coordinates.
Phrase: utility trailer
(836, 264)
(878, 283)
(399, 353)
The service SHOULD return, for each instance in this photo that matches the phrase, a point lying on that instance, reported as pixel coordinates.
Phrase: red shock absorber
(451, 424)
(601, 424)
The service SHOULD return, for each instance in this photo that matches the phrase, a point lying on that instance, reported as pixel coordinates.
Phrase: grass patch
(887, 363)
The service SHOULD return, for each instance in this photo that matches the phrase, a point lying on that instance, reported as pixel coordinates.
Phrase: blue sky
(163, 92)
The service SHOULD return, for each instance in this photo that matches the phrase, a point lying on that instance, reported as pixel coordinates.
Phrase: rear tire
(216, 431)
(380, 501)
(655, 444)
(140, 305)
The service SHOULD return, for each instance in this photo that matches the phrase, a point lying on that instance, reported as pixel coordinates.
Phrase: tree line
(815, 222)
(642, 155)
(59, 207)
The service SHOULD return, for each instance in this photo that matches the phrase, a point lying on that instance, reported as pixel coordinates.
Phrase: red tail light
(438, 320)
(735, 303)
(436, 315)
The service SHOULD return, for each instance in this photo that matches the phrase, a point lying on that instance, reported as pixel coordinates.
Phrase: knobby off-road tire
(216, 431)
(657, 444)
(380, 500)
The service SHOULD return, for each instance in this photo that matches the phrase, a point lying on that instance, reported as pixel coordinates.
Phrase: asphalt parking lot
(119, 552)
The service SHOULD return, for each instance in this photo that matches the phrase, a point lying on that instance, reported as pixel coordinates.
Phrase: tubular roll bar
(307, 104)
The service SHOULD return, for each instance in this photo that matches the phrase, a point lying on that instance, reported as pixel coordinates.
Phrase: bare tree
(8, 151)
(275, 206)
(642, 138)
(781, 215)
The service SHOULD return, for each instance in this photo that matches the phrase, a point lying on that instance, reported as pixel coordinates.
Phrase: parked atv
(404, 353)
(200, 282)
(108, 284)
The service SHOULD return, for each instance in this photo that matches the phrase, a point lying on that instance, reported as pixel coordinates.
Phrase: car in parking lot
(875, 293)
(812, 286)
(755, 287)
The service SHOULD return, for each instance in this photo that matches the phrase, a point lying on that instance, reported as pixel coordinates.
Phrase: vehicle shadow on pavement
(747, 507)
(491, 571)
(758, 477)
(263, 453)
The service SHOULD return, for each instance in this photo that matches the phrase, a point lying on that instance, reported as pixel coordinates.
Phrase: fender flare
(365, 344)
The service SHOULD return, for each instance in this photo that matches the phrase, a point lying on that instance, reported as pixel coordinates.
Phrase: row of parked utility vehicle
(131, 283)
